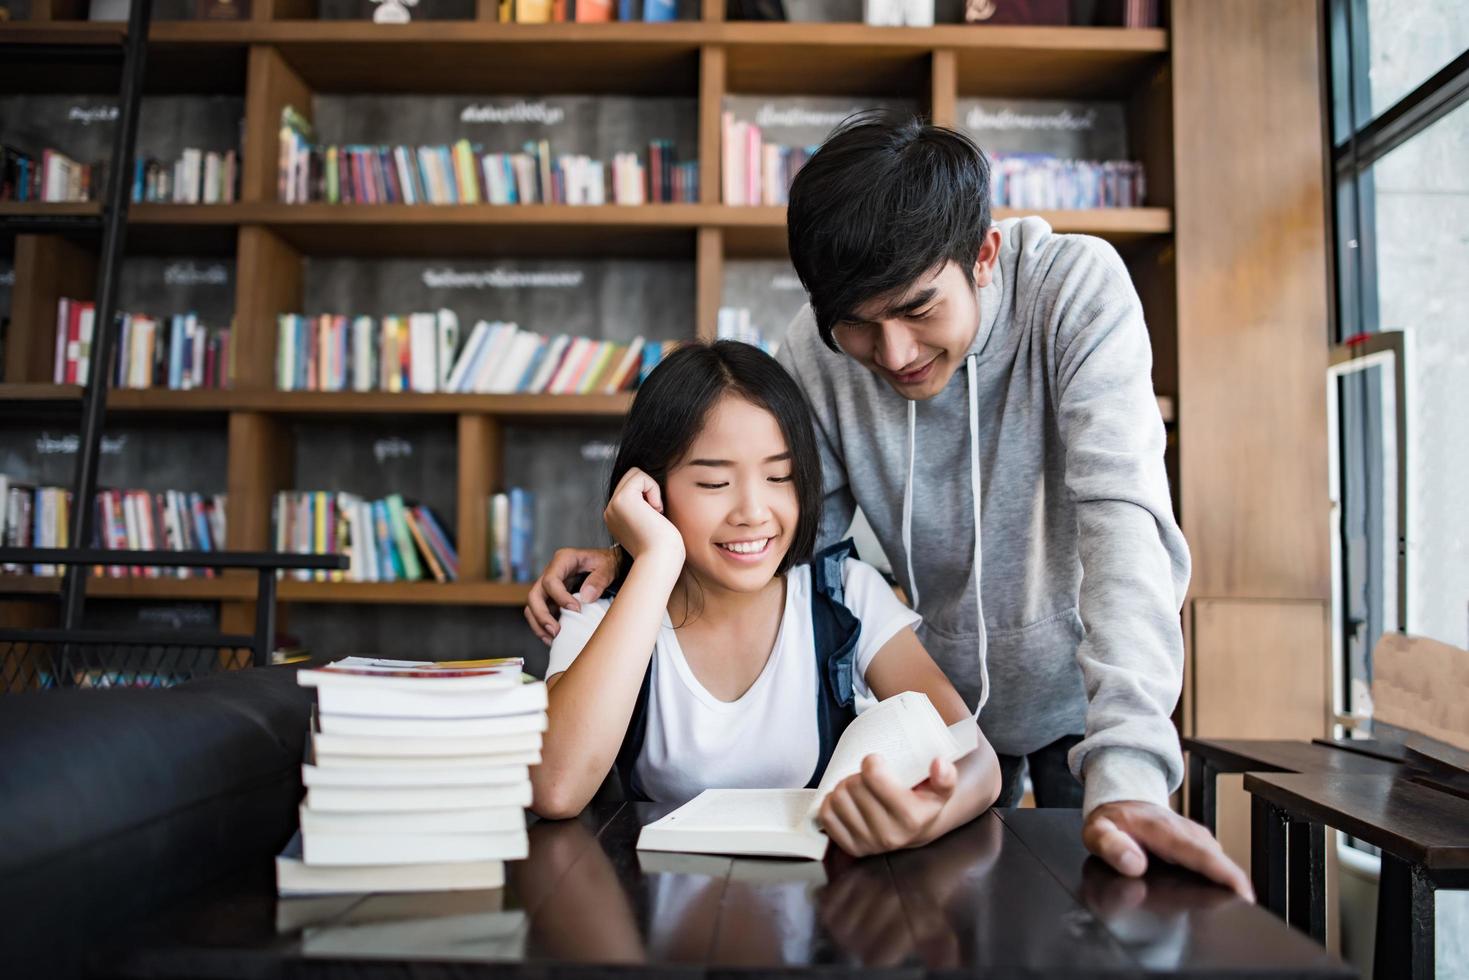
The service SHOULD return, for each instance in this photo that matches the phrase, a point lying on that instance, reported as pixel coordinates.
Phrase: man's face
(916, 338)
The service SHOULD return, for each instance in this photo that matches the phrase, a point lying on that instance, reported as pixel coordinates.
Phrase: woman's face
(733, 497)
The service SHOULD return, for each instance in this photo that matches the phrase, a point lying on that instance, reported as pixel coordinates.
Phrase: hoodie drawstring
(970, 368)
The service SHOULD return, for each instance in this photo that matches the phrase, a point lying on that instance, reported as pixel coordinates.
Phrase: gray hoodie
(1048, 441)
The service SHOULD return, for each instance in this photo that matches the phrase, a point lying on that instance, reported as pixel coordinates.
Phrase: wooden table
(1208, 757)
(1010, 894)
(1423, 834)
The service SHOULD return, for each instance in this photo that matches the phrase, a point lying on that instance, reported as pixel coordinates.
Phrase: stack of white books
(417, 776)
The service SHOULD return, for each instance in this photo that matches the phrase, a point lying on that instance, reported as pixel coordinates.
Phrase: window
(1399, 383)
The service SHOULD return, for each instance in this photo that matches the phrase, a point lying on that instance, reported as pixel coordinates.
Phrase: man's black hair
(885, 199)
(670, 409)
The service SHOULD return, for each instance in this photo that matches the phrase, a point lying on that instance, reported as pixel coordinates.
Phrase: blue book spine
(392, 564)
(659, 10)
(533, 366)
(175, 352)
(138, 169)
(201, 523)
(522, 517)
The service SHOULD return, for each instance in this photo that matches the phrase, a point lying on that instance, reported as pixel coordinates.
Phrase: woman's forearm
(591, 703)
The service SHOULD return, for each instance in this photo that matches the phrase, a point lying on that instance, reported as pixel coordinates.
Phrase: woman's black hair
(670, 408)
(884, 200)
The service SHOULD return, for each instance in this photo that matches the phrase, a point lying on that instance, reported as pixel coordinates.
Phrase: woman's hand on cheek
(635, 518)
(871, 813)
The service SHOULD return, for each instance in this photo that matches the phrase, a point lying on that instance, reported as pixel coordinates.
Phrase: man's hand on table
(1124, 832)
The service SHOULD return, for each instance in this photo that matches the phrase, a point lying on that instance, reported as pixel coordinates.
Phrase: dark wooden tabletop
(1405, 818)
(1281, 755)
(1006, 895)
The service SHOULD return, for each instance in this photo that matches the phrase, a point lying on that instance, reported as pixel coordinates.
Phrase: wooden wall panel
(1258, 668)
(481, 466)
(47, 268)
(1250, 223)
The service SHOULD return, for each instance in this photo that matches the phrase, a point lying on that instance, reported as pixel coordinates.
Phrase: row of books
(586, 11)
(503, 359)
(1045, 182)
(462, 173)
(127, 520)
(171, 520)
(417, 776)
(180, 354)
(54, 178)
(385, 540)
(196, 177)
(756, 172)
(735, 323)
(512, 522)
(421, 352)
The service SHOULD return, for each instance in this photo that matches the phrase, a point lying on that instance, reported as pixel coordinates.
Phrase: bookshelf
(283, 56)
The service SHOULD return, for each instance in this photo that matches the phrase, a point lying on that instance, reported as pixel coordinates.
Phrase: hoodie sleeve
(1135, 562)
(799, 355)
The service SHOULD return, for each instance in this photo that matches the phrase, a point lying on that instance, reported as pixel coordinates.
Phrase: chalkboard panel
(804, 121)
(598, 126)
(769, 289)
(567, 469)
(616, 299)
(416, 458)
(186, 455)
(1066, 128)
(81, 126)
(416, 632)
(164, 286)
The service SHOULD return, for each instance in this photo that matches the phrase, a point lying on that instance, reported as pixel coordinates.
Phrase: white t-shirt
(765, 739)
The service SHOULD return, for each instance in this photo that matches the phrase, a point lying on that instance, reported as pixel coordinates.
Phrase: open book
(905, 730)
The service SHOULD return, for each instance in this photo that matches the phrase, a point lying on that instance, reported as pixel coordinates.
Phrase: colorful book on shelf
(384, 540)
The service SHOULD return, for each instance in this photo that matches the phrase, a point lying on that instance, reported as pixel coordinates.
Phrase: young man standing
(984, 394)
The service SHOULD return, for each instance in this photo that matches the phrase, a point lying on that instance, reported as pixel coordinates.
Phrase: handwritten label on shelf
(49, 445)
(176, 617)
(1008, 119)
(771, 116)
(88, 114)
(391, 448)
(598, 451)
(189, 274)
(503, 279)
(515, 112)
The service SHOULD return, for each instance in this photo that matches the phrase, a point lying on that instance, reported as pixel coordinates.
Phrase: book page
(741, 809)
(905, 730)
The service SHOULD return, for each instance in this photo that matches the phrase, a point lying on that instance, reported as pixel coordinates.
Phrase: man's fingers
(1104, 839)
(1175, 841)
(536, 626)
(554, 584)
(598, 579)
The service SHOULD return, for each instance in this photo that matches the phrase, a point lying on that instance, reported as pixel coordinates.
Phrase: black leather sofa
(117, 803)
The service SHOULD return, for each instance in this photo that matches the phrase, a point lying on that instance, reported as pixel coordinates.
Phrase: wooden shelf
(288, 590)
(418, 593)
(316, 403)
(204, 589)
(760, 232)
(654, 59)
(424, 230)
